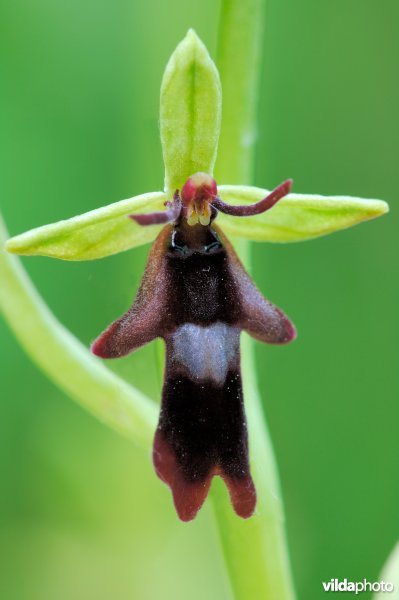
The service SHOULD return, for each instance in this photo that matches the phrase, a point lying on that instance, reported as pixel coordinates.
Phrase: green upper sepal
(94, 234)
(297, 216)
(190, 112)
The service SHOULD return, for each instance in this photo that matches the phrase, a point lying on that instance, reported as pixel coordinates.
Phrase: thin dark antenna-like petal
(259, 207)
(158, 218)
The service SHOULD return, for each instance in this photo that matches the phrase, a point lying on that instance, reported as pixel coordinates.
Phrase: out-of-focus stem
(238, 61)
(66, 361)
(255, 550)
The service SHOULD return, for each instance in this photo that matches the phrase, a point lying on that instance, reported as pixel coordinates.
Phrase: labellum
(196, 295)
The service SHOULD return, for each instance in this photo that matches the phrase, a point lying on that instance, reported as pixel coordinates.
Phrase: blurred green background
(82, 515)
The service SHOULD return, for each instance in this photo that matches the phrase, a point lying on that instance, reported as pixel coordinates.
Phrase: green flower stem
(238, 61)
(255, 550)
(66, 361)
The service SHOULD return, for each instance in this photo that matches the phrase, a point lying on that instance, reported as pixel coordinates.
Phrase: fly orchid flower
(195, 293)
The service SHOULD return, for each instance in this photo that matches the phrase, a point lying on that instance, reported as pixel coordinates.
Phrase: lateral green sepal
(95, 234)
(297, 216)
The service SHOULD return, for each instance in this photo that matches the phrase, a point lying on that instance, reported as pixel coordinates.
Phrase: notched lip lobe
(189, 494)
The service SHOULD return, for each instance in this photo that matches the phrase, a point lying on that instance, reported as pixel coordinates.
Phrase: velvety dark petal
(262, 206)
(144, 320)
(158, 218)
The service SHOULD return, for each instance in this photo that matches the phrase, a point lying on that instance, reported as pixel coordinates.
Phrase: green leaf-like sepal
(94, 234)
(297, 216)
(190, 112)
